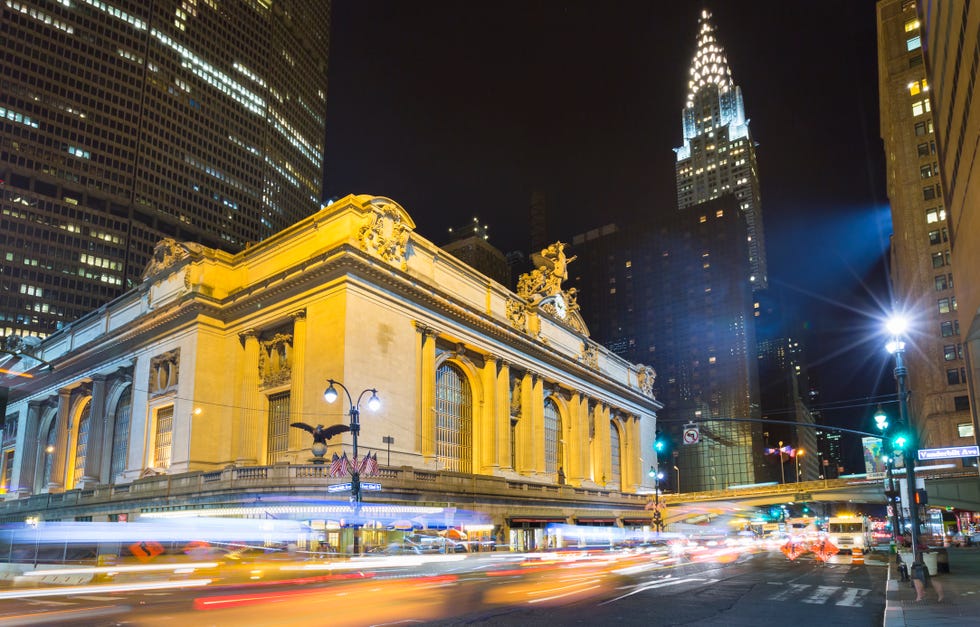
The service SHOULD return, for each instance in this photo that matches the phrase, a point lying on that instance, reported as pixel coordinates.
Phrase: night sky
(461, 109)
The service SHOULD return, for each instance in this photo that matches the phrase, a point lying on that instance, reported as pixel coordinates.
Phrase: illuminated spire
(710, 65)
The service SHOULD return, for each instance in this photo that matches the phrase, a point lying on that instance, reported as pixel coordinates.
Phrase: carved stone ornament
(164, 372)
(276, 360)
(645, 378)
(517, 314)
(515, 398)
(169, 252)
(590, 355)
(386, 235)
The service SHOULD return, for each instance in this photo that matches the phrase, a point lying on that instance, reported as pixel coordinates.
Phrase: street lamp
(658, 519)
(798, 453)
(897, 326)
(678, 471)
(782, 468)
(881, 422)
(330, 395)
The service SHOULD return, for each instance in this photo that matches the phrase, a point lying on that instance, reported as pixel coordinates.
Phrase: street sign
(949, 453)
(371, 487)
(692, 435)
(146, 551)
(338, 487)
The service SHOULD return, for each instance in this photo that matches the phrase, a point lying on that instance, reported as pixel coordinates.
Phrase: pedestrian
(923, 581)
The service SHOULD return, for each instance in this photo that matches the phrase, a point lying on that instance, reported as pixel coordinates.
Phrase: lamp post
(881, 422)
(678, 471)
(798, 453)
(330, 395)
(782, 469)
(896, 346)
(658, 519)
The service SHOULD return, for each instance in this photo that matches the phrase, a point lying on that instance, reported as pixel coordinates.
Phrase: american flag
(339, 465)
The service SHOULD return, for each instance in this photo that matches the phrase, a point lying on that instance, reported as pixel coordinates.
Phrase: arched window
(162, 441)
(81, 443)
(553, 446)
(454, 419)
(120, 436)
(49, 453)
(614, 456)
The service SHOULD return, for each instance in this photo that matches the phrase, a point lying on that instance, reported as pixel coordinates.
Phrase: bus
(849, 532)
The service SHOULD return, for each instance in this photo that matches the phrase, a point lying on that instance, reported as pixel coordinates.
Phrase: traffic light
(921, 498)
(660, 444)
(900, 441)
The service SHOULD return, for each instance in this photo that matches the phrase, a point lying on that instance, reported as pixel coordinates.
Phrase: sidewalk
(961, 588)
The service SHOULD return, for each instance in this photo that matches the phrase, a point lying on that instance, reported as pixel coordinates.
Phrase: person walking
(923, 581)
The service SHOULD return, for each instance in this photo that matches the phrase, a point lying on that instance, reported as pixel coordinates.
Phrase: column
(298, 440)
(57, 481)
(247, 453)
(486, 445)
(537, 424)
(525, 454)
(502, 416)
(92, 474)
(28, 450)
(425, 345)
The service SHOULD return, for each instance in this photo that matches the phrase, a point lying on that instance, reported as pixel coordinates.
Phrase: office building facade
(950, 40)
(123, 122)
(923, 270)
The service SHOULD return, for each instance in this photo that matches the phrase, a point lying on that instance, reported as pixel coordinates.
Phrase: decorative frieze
(164, 372)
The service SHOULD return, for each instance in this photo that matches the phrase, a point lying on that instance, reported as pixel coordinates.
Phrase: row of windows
(952, 352)
(947, 305)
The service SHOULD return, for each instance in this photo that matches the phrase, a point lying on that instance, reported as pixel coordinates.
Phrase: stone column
(27, 468)
(92, 473)
(486, 445)
(525, 442)
(298, 440)
(502, 417)
(57, 480)
(537, 425)
(425, 344)
(247, 453)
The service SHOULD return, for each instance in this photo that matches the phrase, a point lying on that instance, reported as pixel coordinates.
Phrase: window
(48, 452)
(81, 443)
(921, 106)
(949, 352)
(964, 429)
(614, 456)
(946, 328)
(928, 193)
(935, 237)
(162, 442)
(278, 427)
(911, 25)
(454, 422)
(921, 128)
(553, 449)
(962, 403)
(935, 215)
(944, 306)
(913, 43)
(941, 282)
(937, 260)
(120, 437)
(953, 376)
(923, 150)
(925, 171)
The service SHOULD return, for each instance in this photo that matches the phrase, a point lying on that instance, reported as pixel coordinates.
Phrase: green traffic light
(900, 441)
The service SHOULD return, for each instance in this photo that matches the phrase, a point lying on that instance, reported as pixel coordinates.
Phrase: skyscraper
(950, 36)
(124, 122)
(718, 154)
(922, 270)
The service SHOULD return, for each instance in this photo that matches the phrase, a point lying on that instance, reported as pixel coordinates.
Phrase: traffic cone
(857, 555)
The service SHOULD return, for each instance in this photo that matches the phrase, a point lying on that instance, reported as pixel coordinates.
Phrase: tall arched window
(163, 443)
(553, 446)
(614, 453)
(81, 443)
(120, 436)
(48, 452)
(454, 419)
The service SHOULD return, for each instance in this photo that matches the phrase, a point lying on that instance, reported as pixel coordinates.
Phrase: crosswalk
(811, 594)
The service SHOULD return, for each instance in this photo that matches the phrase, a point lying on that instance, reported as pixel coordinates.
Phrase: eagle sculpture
(320, 433)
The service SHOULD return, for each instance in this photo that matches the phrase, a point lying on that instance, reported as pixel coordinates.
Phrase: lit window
(911, 25)
(553, 450)
(965, 429)
(944, 307)
(454, 419)
(913, 43)
(703, 219)
(949, 352)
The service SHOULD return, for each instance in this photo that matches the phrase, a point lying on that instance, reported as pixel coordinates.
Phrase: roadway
(747, 585)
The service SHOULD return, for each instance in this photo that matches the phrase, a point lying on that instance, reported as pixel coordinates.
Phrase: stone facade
(179, 393)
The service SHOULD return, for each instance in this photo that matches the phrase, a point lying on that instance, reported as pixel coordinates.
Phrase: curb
(894, 613)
